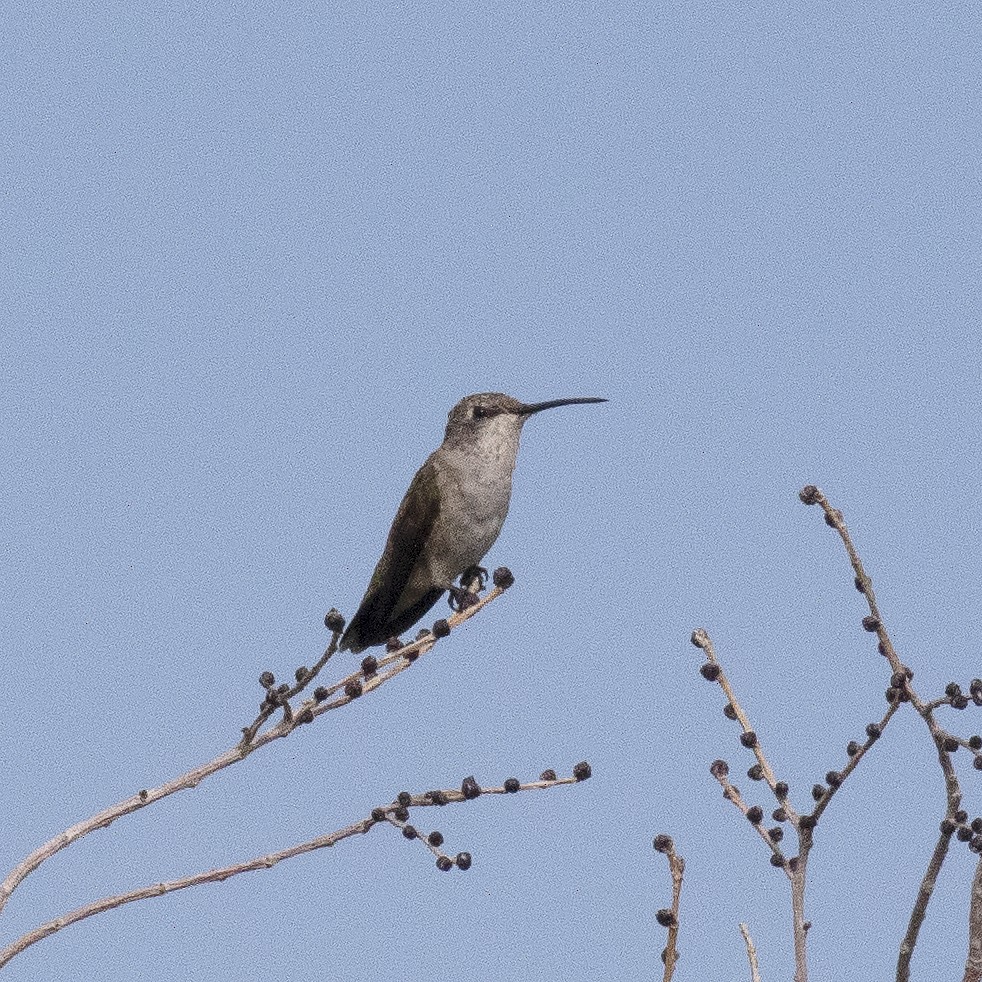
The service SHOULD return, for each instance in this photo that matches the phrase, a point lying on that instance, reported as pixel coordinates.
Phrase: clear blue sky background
(252, 255)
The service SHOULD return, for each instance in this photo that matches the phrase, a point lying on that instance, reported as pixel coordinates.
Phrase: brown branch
(873, 734)
(924, 894)
(751, 953)
(795, 867)
(379, 815)
(721, 770)
(901, 684)
(701, 639)
(392, 665)
(973, 963)
(670, 917)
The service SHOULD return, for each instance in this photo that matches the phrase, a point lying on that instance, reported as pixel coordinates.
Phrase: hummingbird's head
(489, 414)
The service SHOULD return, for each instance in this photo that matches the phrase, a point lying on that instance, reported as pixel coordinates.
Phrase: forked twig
(751, 953)
(669, 917)
(351, 687)
(395, 814)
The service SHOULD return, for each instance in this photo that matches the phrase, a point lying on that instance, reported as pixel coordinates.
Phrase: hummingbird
(449, 518)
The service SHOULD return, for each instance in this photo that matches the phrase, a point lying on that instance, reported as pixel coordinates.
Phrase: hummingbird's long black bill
(536, 407)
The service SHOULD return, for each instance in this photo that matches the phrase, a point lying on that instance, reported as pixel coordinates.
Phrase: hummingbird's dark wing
(389, 605)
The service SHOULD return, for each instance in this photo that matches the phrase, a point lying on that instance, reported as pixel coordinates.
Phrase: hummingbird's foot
(461, 599)
(474, 578)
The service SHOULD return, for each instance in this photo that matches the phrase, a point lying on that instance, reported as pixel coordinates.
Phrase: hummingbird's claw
(461, 599)
(474, 578)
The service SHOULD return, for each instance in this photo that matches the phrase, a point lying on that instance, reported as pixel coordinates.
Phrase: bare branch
(902, 690)
(700, 638)
(386, 813)
(751, 953)
(973, 963)
(390, 666)
(670, 917)
(721, 771)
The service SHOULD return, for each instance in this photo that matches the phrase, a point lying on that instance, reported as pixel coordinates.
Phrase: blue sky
(254, 254)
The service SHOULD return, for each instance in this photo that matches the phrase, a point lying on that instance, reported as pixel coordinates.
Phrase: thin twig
(973, 962)
(901, 682)
(751, 953)
(267, 861)
(395, 663)
(721, 770)
(670, 918)
(862, 750)
(701, 639)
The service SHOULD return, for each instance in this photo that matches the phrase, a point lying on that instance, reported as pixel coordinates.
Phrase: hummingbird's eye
(479, 412)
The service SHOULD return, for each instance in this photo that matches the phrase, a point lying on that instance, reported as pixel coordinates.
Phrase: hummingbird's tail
(370, 626)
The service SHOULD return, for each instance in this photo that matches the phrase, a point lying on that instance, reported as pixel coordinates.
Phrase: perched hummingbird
(449, 518)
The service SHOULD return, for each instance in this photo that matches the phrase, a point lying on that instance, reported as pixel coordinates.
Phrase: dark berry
(809, 494)
(502, 578)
